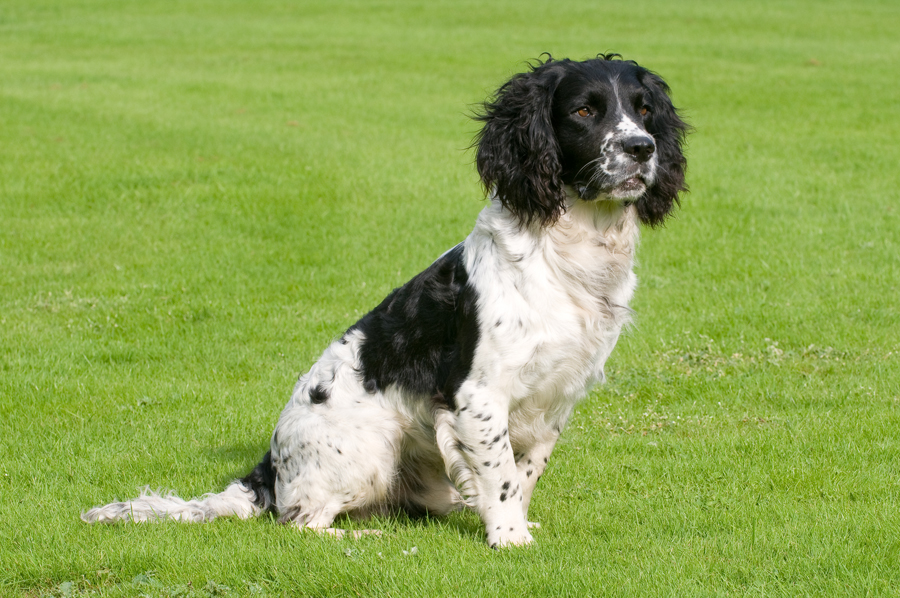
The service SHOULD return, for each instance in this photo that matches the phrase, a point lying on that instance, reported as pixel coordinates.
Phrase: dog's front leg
(486, 467)
(531, 466)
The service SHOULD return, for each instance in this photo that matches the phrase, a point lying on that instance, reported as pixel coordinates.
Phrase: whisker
(598, 159)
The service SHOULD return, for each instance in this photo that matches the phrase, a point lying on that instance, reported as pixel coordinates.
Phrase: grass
(196, 197)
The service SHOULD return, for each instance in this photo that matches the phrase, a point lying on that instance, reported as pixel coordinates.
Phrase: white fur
(552, 304)
(235, 500)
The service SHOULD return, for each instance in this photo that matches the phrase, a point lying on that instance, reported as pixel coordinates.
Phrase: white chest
(552, 301)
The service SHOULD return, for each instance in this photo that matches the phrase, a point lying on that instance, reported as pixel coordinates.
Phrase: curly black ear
(669, 131)
(518, 156)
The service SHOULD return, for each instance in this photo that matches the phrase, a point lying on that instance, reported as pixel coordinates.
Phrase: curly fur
(518, 156)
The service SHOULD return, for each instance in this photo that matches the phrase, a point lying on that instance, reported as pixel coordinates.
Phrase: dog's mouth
(631, 187)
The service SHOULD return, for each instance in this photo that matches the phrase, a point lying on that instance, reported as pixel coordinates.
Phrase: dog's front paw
(503, 536)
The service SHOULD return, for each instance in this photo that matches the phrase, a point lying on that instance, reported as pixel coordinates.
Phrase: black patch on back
(423, 335)
(262, 481)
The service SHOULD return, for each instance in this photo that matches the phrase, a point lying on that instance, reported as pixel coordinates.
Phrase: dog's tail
(243, 498)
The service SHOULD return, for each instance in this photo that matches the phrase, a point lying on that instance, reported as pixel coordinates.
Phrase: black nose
(639, 148)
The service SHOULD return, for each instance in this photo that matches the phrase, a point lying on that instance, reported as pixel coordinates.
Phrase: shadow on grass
(241, 458)
(465, 523)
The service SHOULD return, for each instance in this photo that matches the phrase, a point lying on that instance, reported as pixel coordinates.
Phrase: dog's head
(604, 127)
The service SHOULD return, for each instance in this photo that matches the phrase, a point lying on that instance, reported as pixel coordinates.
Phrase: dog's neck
(592, 244)
(607, 222)
(580, 220)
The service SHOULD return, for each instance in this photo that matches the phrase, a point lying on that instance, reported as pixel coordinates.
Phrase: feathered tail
(243, 498)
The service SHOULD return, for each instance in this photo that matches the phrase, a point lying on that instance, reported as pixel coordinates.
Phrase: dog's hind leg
(315, 488)
(320, 521)
(335, 456)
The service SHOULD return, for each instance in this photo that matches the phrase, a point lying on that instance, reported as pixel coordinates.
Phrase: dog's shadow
(465, 524)
(241, 458)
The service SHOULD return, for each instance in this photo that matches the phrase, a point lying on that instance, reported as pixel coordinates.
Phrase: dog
(453, 391)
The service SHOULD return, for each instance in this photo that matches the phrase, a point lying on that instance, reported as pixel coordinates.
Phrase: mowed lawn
(196, 197)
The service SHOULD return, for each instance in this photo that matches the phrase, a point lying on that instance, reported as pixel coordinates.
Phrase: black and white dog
(454, 390)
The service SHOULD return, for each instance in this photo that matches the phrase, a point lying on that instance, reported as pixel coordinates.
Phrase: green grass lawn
(197, 196)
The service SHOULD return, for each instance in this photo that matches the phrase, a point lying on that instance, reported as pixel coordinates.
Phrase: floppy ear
(669, 131)
(518, 155)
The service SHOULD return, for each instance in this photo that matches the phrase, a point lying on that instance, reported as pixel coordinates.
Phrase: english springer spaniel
(453, 391)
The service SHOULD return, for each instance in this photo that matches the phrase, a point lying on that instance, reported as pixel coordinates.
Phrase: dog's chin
(630, 188)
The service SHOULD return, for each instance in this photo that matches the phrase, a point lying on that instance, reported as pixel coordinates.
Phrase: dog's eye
(583, 112)
(645, 110)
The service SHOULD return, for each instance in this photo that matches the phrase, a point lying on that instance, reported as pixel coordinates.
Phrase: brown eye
(583, 112)
(645, 110)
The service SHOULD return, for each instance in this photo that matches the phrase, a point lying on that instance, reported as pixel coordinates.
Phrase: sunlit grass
(196, 197)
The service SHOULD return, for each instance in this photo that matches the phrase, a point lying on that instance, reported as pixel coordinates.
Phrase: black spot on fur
(503, 498)
(505, 486)
(318, 395)
(422, 337)
(262, 482)
(528, 473)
